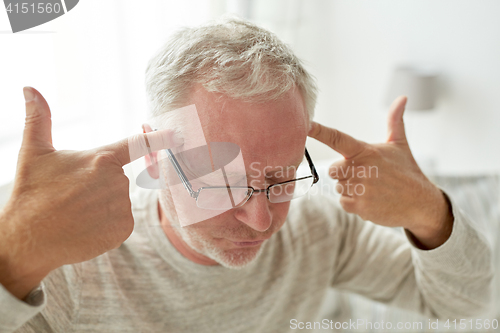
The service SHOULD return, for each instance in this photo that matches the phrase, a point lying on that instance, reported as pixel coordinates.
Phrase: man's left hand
(383, 183)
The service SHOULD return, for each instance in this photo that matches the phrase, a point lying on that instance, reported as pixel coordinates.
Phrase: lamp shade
(418, 84)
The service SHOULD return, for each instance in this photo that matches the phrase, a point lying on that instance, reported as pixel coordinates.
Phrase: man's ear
(151, 159)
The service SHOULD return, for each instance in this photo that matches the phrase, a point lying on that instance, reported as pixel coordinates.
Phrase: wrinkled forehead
(267, 146)
(269, 133)
(264, 131)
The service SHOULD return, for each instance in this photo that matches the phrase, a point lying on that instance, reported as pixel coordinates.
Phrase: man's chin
(232, 257)
(235, 258)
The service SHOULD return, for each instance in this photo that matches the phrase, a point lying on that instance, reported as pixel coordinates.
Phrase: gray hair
(233, 57)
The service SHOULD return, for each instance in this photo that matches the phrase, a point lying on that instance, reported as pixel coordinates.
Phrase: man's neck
(180, 244)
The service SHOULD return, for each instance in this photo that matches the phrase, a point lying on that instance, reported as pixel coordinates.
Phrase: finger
(38, 125)
(348, 203)
(338, 141)
(396, 126)
(136, 146)
(340, 170)
(339, 188)
(344, 188)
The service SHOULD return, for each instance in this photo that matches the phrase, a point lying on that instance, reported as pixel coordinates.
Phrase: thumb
(38, 124)
(396, 126)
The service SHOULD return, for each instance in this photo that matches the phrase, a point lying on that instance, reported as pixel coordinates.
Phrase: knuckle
(104, 159)
(123, 181)
(333, 136)
(34, 119)
(374, 152)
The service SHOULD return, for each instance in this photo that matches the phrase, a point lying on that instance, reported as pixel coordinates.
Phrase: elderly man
(262, 265)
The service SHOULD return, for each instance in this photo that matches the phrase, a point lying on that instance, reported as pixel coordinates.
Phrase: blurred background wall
(90, 65)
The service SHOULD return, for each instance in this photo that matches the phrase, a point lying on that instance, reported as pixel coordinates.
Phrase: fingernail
(29, 95)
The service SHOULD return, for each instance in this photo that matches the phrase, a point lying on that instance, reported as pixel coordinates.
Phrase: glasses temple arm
(180, 173)
(313, 168)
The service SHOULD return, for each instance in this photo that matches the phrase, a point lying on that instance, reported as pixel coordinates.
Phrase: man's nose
(256, 212)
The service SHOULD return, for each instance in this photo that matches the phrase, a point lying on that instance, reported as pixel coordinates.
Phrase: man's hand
(66, 206)
(383, 183)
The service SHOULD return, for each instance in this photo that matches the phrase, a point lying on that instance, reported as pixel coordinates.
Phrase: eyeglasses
(228, 197)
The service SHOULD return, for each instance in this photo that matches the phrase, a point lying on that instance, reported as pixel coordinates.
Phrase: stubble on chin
(205, 244)
(229, 258)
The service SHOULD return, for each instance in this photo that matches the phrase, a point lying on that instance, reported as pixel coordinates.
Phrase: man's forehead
(251, 121)
(271, 133)
(219, 113)
(262, 137)
(280, 159)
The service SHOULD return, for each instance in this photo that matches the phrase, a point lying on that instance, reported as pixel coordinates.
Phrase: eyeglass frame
(194, 194)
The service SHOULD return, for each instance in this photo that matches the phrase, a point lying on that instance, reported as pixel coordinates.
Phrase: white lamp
(418, 84)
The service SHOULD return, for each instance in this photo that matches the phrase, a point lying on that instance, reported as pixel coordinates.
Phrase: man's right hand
(66, 206)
